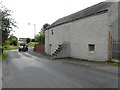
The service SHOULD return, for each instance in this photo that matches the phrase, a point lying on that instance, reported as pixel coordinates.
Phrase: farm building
(90, 34)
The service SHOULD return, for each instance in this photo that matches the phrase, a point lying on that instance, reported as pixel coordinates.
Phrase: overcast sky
(40, 12)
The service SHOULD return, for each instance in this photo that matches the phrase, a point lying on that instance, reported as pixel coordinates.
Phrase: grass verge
(32, 44)
(3, 55)
(10, 47)
(113, 63)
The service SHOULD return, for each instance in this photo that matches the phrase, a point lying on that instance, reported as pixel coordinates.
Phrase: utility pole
(34, 28)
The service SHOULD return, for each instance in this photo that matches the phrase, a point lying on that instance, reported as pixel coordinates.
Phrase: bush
(4, 54)
(40, 38)
(28, 40)
(14, 42)
(33, 40)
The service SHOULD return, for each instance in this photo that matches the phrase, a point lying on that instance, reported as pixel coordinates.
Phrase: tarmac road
(22, 70)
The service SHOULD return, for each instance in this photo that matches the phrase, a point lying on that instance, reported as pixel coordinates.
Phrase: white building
(86, 34)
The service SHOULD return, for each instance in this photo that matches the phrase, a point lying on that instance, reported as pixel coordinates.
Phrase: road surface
(22, 70)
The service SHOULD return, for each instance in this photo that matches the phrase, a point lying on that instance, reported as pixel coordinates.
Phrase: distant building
(87, 34)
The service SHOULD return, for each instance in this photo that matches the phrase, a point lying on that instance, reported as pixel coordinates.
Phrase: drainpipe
(110, 46)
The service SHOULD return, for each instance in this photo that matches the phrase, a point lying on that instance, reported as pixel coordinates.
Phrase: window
(52, 32)
(91, 47)
(50, 44)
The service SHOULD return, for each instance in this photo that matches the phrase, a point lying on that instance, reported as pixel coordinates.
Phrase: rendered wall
(91, 30)
(80, 33)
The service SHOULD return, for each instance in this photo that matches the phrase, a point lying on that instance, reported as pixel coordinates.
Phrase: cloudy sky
(40, 12)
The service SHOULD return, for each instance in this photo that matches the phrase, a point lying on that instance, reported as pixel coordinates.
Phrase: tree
(28, 40)
(6, 23)
(13, 40)
(32, 40)
(40, 38)
(44, 27)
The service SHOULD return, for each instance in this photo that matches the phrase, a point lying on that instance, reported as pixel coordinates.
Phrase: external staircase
(57, 51)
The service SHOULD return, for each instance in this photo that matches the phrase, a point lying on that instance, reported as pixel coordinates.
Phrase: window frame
(91, 47)
(52, 32)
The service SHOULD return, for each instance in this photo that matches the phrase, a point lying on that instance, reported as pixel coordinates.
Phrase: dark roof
(103, 6)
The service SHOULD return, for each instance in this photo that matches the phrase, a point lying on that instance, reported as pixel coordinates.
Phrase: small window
(91, 47)
(50, 44)
(52, 32)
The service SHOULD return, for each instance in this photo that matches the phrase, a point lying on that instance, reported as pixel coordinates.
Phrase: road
(22, 70)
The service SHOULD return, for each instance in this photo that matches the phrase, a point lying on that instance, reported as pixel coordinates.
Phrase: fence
(116, 50)
(39, 48)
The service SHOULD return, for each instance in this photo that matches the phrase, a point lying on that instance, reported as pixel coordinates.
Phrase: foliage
(40, 38)
(45, 26)
(13, 40)
(28, 40)
(32, 44)
(4, 54)
(10, 43)
(10, 47)
(7, 42)
(113, 63)
(7, 23)
(33, 40)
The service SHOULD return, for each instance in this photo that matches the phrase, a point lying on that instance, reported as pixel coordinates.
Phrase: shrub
(28, 40)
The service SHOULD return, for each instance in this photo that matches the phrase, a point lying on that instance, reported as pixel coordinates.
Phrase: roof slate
(82, 14)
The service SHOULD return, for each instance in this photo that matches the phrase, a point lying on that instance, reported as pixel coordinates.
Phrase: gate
(116, 50)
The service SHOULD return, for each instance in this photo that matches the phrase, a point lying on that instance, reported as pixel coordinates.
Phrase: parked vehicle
(23, 47)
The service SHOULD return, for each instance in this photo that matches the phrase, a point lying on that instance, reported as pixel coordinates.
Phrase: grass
(10, 47)
(32, 44)
(3, 55)
(113, 63)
